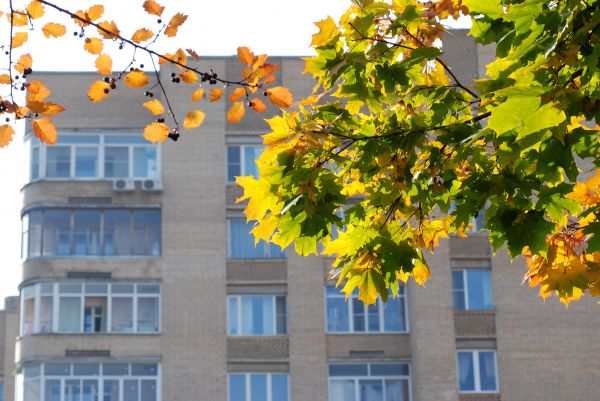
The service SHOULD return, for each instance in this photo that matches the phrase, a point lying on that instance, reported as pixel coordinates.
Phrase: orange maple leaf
(45, 130)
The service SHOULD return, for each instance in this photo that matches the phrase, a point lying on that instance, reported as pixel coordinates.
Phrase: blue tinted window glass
(35, 163)
(116, 161)
(130, 390)
(251, 153)
(111, 390)
(479, 287)
(75, 139)
(258, 387)
(370, 390)
(345, 369)
(148, 390)
(257, 315)
(144, 162)
(58, 161)
(233, 315)
(233, 163)
(144, 369)
(125, 139)
(337, 315)
(394, 315)
(86, 232)
(86, 162)
(487, 371)
(52, 390)
(241, 243)
(342, 390)
(279, 388)
(466, 375)
(389, 369)
(237, 388)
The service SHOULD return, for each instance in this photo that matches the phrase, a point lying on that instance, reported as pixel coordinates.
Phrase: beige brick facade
(544, 351)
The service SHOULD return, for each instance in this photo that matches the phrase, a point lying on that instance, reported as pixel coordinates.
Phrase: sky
(274, 27)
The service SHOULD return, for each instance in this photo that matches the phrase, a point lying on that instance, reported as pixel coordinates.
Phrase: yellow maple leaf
(189, 77)
(142, 35)
(19, 18)
(327, 31)
(420, 272)
(104, 64)
(193, 119)
(18, 39)
(197, 95)
(280, 96)
(24, 62)
(136, 79)
(156, 132)
(245, 55)
(93, 45)
(236, 112)
(588, 192)
(37, 91)
(5, 79)
(237, 94)
(35, 9)
(264, 229)
(154, 106)
(98, 91)
(215, 94)
(6, 134)
(54, 30)
(108, 29)
(95, 12)
(152, 7)
(258, 105)
(45, 130)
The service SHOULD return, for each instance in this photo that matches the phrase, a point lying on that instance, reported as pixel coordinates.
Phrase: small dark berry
(159, 21)
(7, 119)
(106, 90)
(113, 86)
(250, 104)
(160, 120)
(213, 82)
(16, 77)
(131, 69)
(265, 93)
(151, 94)
(141, 65)
(81, 35)
(173, 137)
(177, 80)
(121, 46)
(173, 75)
(75, 33)
(106, 79)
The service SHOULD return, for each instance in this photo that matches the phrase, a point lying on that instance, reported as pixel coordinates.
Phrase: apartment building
(141, 282)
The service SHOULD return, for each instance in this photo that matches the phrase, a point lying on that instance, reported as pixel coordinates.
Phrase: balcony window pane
(57, 369)
(396, 390)
(479, 286)
(337, 315)
(122, 315)
(145, 163)
(146, 228)
(122, 289)
(233, 163)
(57, 232)
(370, 390)
(111, 390)
(86, 232)
(281, 315)
(58, 161)
(116, 161)
(144, 369)
(343, 369)
(35, 233)
(389, 369)
(279, 388)
(69, 288)
(130, 390)
(466, 374)
(115, 369)
(257, 315)
(69, 319)
(359, 314)
(148, 390)
(94, 315)
(90, 390)
(45, 314)
(487, 371)
(86, 369)
(237, 388)
(117, 232)
(251, 153)
(342, 390)
(148, 315)
(125, 139)
(258, 387)
(233, 315)
(86, 162)
(31, 390)
(373, 316)
(52, 390)
(28, 316)
(35, 163)
(148, 289)
(394, 315)
(241, 243)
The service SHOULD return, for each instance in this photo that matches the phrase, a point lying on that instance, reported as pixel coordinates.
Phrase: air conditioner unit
(152, 185)
(122, 184)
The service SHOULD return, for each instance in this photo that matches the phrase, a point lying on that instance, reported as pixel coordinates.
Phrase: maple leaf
(236, 112)
(35, 9)
(19, 18)
(45, 130)
(193, 119)
(136, 79)
(156, 132)
(198, 95)
(152, 7)
(18, 39)
(104, 64)
(108, 30)
(53, 29)
(5, 79)
(46, 109)
(327, 32)
(93, 45)
(142, 35)
(245, 55)
(215, 94)
(24, 62)
(237, 94)
(98, 91)
(95, 12)
(258, 105)
(189, 77)
(6, 134)
(176, 21)
(37, 91)
(154, 106)
(280, 96)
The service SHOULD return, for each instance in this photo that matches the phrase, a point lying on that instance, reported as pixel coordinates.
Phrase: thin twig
(162, 88)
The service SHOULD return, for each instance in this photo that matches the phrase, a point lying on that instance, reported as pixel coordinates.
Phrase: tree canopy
(392, 153)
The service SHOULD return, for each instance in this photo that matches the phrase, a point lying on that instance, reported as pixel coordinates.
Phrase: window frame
(33, 143)
(40, 252)
(477, 371)
(368, 376)
(465, 289)
(239, 315)
(241, 161)
(248, 384)
(57, 295)
(381, 307)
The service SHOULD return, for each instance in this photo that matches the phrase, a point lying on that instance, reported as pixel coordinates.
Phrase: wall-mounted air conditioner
(152, 185)
(122, 184)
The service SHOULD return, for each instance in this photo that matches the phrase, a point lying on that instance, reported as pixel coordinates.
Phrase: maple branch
(151, 52)
(10, 48)
(164, 92)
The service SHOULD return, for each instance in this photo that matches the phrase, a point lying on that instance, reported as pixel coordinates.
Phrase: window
(93, 156)
(477, 372)
(90, 382)
(352, 316)
(259, 387)
(90, 308)
(369, 382)
(241, 243)
(257, 315)
(241, 160)
(1, 391)
(472, 288)
(90, 232)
